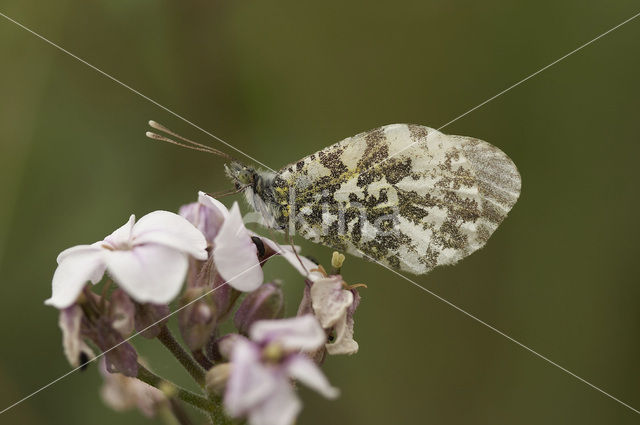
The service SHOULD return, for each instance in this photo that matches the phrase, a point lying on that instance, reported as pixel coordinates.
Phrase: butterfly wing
(405, 195)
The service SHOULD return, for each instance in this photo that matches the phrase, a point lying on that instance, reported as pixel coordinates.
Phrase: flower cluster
(210, 264)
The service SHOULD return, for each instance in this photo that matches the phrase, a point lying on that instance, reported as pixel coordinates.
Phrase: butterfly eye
(332, 336)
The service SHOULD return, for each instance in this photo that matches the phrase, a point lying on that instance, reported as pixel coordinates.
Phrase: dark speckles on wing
(331, 160)
(418, 132)
(376, 150)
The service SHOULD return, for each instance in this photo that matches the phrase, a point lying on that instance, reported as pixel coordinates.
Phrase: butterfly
(404, 195)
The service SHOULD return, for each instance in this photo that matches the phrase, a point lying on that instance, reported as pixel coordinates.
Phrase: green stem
(180, 393)
(185, 359)
(178, 411)
(202, 360)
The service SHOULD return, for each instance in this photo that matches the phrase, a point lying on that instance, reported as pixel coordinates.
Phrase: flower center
(273, 352)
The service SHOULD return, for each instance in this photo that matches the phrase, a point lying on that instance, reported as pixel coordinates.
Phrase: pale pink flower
(147, 259)
(235, 254)
(259, 386)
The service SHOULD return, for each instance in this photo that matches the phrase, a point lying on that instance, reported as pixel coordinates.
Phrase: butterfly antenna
(193, 145)
(155, 136)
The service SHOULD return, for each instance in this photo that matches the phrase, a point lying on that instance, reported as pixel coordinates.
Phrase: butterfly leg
(293, 247)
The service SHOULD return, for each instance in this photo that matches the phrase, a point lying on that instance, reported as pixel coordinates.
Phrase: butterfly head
(240, 174)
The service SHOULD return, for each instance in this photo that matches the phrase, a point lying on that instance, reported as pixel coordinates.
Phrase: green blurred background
(280, 80)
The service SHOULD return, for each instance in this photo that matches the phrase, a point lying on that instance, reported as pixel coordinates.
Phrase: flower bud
(265, 303)
(217, 377)
(220, 349)
(337, 260)
(223, 295)
(305, 303)
(150, 318)
(198, 319)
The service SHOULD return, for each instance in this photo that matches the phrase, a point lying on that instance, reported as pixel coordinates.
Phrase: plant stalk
(185, 359)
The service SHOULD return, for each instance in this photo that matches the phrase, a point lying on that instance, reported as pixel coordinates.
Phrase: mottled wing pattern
(406, 195)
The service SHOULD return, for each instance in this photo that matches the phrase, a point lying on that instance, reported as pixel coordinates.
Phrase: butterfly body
(407, 196)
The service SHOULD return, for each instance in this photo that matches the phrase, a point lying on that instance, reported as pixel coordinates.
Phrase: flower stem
(202, 359)
(185, 359)
(178, 411)
(145, 375)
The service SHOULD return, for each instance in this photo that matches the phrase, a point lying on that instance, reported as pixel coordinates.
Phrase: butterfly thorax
(258, 188)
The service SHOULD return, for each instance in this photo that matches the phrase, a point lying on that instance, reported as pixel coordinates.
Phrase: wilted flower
(259, 385)
(123, 393)
(147, 259)
(75, 348)
(95, 319)
(334, 305)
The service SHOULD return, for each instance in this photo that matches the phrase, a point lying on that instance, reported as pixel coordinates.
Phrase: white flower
(234, 252)
(259, 385)
(147, 259)
(334, 306)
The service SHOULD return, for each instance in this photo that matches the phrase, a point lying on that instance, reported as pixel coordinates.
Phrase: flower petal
(235, 255)
(287, 251)
(207, 215)
(77, 266)
(250, 383)
(281, 408)
(121, 236)
(266, 302)
(303, 369)
(213, 204)
(297, 333)
(330, 300)
(171, 230)
(149, 273)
